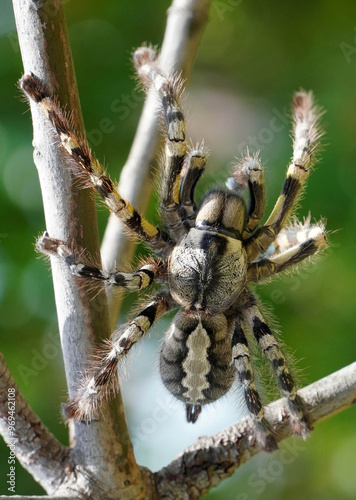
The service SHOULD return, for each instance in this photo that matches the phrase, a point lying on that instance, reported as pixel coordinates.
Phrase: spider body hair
(206, 256)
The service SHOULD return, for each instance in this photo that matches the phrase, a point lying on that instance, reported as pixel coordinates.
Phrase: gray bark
(70, 216)
(213, 458)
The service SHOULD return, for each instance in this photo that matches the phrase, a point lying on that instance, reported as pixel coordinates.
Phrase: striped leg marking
(168, 90)
(248, 172)
(306, 136)
(193, 170)
(102, 378)
(269, 347)
(86, 166)
(310, 240)
(241, 359)
(134, 281)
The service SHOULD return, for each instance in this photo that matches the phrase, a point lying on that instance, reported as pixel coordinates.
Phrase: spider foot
(299, 419)
(265, 437)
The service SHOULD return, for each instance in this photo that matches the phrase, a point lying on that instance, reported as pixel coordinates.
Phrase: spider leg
(241, 359)
(102, 378)
(137, 280)
(248, 172)
(311, 240)
(268, 344)
(168, 90)
(87, 167)
(193, 170)
(306, 136)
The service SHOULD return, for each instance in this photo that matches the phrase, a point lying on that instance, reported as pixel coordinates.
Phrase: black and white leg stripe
(101, 379)
(241, 359)
(306, 135)
(269, 347)
(86, 167)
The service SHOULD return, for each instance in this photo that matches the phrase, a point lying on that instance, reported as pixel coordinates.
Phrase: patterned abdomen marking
(195, 359)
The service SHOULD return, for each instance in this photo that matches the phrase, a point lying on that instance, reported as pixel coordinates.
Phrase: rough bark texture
(211, 459)
(71, 216)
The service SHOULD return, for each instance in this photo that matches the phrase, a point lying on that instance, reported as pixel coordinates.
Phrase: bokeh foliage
(253, 56)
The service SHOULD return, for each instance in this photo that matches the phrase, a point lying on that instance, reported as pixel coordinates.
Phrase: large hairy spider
(205, 258)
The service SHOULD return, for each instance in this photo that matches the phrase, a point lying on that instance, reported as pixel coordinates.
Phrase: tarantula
(205, 258)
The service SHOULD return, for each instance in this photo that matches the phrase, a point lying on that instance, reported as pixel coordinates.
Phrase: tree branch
(70, 216)
(100, 447)
(185, 26)
(211, 459)
(36, 448)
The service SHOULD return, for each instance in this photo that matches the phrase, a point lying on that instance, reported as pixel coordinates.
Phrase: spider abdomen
(196, 358)
(207, 271)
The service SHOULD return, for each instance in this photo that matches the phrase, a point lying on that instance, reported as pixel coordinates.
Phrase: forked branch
(46, 53)
(36, 448)
(213, 458)
(98, 447)
(70, 215)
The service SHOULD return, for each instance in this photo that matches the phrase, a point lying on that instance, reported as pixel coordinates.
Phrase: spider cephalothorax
(205, 257)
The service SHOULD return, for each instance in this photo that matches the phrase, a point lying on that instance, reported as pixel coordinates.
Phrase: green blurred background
(252, 57)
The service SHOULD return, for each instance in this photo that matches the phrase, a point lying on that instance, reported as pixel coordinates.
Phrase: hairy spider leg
(87, 166)
(313, 239)
(248, 172)
(299, 420)
(306, 134)
(241, 360)
(296, 233)
(168, 90)
(137, 280)
(193, 169)
(102, 378)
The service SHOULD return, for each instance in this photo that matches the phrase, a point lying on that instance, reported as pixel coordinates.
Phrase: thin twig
(211, 459)
(186, 21)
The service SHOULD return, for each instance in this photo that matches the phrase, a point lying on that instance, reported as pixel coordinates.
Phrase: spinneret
(205, 258)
